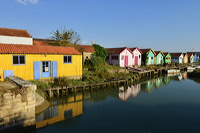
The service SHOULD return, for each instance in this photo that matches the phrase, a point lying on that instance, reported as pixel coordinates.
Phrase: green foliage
(65, 37)
(197, 71)
(93, 62)
(41, 84)
(60, 81)
(41, 93)
(145, 59)
(97, 76)
(100, 51)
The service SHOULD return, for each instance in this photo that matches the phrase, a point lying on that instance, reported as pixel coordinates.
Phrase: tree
(100, 51)
(65, 37)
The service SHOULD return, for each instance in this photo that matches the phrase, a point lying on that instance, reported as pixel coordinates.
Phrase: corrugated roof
(116, 50)
(14, 32)
(34, 49)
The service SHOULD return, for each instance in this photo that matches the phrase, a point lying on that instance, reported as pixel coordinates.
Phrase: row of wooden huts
(23, 56)
(134, 56)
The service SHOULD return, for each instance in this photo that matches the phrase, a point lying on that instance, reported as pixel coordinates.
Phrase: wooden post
(50, 93)
(58, 92)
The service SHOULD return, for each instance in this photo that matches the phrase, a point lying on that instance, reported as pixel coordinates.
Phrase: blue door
(54, 69)
(37, 70)
(46, 70)
(8, 73)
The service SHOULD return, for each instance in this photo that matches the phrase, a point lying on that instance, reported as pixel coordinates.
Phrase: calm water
(161, 105)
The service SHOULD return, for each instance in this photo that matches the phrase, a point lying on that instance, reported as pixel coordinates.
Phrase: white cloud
(28, 1)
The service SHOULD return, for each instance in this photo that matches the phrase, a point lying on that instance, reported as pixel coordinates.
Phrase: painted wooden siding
(27, 71)
(195, 58)
(150, 57)
(168, 61)
(185, 58)
(138, 55)
(122, 58)
(191, 59)
(16, 40)
(179, 60)
(159, 59)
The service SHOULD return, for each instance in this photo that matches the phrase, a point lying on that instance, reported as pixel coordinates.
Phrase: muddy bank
(40, 104)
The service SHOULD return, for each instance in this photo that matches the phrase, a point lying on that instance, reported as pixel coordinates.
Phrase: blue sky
(167, 25)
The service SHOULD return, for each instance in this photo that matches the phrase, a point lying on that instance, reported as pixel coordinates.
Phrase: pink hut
(137, 56)
(120, 56)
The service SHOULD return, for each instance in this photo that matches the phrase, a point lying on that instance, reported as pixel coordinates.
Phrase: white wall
(179, 60)
(137, 53)
(16, 40)
(130, 59)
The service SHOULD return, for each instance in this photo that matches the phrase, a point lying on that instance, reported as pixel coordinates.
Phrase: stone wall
(17, 106)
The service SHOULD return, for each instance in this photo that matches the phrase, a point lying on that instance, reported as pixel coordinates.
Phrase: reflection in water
(58, 111)
(178, 105)
(132, 91)
(148, 86)
(179, 77)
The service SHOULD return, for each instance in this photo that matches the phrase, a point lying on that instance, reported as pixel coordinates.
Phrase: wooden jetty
(89, 87)
(65, 90)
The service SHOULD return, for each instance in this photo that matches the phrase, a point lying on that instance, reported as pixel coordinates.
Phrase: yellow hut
(19, 57)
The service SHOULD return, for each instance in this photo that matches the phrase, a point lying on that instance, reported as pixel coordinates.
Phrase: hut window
(114, 57)
(122, 57)
(18, 60)
(67, 59)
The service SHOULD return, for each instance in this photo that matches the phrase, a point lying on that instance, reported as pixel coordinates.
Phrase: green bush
(60, 82)
(41, 84)
(41, 93)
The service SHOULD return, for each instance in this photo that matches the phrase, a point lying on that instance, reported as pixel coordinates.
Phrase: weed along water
(169, 104)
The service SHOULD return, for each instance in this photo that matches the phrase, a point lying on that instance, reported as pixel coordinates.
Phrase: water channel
(167, 104)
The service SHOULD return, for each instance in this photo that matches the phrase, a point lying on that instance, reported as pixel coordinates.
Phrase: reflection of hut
(166, 80)
(132, 91)
(180, 77)
(184, 75)
(57, 113)
(148, 86)
(158, 82)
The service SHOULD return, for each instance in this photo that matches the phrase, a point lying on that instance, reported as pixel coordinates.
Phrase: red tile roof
(132, 49)
(176, 54)
(14, 32)
(40, 43)
(116, 50)
(34, 49)
(85, 48)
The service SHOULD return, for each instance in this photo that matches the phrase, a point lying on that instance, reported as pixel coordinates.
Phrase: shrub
(60, 81)
(41, 84)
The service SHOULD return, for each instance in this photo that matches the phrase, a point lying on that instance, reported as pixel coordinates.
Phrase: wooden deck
(89, 87)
